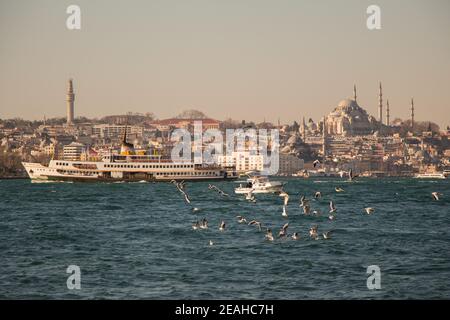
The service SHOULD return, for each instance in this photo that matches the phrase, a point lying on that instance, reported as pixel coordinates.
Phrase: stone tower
(70, 102)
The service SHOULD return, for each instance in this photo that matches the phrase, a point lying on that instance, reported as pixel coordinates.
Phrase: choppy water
(134, 240)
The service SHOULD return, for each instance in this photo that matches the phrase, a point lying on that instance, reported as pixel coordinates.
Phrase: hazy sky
(230, 58)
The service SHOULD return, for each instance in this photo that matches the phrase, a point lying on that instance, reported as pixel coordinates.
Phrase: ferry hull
(38, 172)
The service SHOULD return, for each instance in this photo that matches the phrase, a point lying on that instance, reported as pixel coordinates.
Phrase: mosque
(349, 119)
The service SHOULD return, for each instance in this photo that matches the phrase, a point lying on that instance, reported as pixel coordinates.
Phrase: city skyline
(240, 60)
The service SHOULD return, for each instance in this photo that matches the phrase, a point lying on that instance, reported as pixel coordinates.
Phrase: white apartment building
(116, 131)
(243, 161)
(74, 151)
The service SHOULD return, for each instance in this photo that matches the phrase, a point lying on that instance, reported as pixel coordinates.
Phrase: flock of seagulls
(283, 232)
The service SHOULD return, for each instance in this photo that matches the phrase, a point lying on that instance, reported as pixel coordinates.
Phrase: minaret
(412, 114)
(70, 101)
(324, 137)
(303, 129)
(387, 113)
(354, 92)
(380, 106)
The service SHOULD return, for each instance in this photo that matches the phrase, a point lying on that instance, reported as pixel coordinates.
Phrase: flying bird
(241, 219)
(284, 213)
(369, 210)
(338, 189)
(327, 235)
(436, 195)
(306, 209)
(316, 163)
(256, 223)
(350, 175)
(283, 230)
(317, 194)
(196, 225)
(250, 197)
(332, 207)
(269, 235)
(222, 226)
(313, 232)
(295, 236)
(204, 224)
(303, 201)
(285, 196)
(215, 188)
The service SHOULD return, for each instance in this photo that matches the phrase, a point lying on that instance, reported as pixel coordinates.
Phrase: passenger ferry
(126, 166)
(436, 175)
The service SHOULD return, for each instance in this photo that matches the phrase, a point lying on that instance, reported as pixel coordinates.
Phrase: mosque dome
(348, 118)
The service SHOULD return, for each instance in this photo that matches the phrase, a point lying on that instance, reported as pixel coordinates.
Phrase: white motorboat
(259, 184)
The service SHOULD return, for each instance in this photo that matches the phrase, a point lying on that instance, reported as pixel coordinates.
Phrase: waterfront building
(74, 151)
(116, 131)
(243, 161)
(289, 164)
(188, 124)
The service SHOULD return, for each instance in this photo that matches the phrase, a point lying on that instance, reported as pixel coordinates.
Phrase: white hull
(60, 170)
(258, 185)
(430, 176)
(258, 190)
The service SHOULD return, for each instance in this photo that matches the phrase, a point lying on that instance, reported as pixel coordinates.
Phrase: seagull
(269, 235)
(250, 197)
(284, 213)
(196, 225)
(317, 195)
(338, 189)
(211, 243)
(241, 219)
(317, 213)
(222, 226)
(350, 175)
(306, 209)
(295, 236)
(331, 217)
(285, 196)
(303, 201)
(313, 232)
(436, 195)
(283, 230)
(369, 210)
(316, 163)
(254, 222)
(195, 209)
(186, 197)
(332, 207)
(204, 224)
(213, 187)
(327, 235)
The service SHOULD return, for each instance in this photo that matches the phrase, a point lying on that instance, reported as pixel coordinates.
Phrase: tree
(191, 114)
